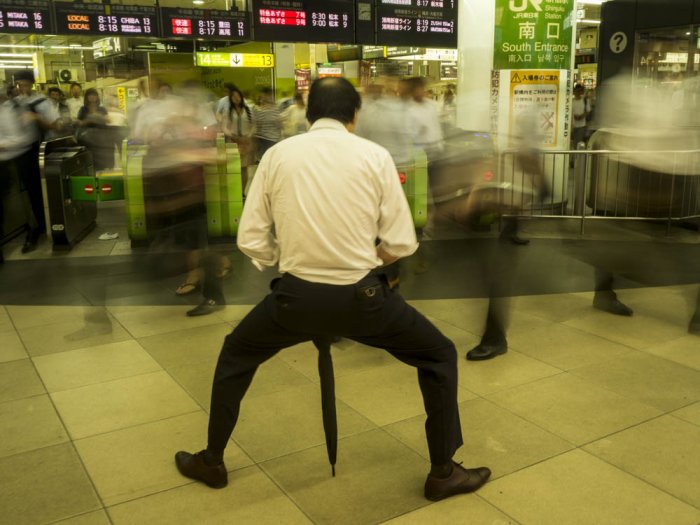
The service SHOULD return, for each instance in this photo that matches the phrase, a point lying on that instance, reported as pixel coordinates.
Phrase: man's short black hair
(335, 98)
(54, 89)
(25, 75)
(73, 84)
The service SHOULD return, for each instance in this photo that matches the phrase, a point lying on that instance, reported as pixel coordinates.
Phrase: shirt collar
(328, 123)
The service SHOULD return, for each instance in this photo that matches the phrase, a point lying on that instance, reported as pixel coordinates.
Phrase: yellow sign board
(121, 97)
(235, 60)
(534, 94)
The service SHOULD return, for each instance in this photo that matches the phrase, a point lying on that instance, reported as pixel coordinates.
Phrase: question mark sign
(618, 42)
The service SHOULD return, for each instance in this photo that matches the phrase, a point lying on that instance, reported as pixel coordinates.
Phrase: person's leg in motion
(493, 342)
(694, 326)
(605, 298)
(255, 340)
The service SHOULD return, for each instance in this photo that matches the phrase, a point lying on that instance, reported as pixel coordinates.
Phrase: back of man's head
(334, 98)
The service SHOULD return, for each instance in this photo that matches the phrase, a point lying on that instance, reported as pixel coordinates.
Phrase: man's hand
(386, 258)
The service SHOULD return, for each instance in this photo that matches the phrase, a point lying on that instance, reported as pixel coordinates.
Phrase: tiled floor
(589, 419)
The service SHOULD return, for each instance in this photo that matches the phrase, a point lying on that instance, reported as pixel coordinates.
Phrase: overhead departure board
(99, 19)
(25, 16)
(424, 23)
(204, 23)
(304, 20)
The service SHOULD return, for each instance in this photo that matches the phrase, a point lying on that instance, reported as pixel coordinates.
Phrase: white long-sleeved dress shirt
(318, 203)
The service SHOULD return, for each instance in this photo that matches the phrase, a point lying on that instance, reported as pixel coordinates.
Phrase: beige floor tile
(187, 347)
(506, 371)
(249, 498)
(18, 380)
(91, 518)
(648, 379)
(11, 346)
(684, 351)
(565, 347)
(123, 403)
(552, 307)
(519, 322)
(572, 408)
(377, 478)
(272, 376)
(71, 335)
(235, 312)
(462, 509)
(459, 336)
(579, 489)
(138, 461)
(665, 452)
(385, 395)
(492, 436)
(28, 424)
(285, 422)
(33, 316)
(690, 413)
(43, 486)
(348, 357)
(98, 364)
(5, 321)
(639, 331)
(467, 314)
(142, 321)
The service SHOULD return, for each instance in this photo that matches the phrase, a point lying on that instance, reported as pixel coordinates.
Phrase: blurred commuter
(239, 127)
(579, 109)
(223, 105)
(448, 115)
(93, 132)
(268, 122)
(40, 119)
(424, 118)
(317, 205)
(75, 101)
(60, 114)
(180, 135)
(294, 117)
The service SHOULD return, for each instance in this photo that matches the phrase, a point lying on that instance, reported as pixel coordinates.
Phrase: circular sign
(106, 189)
(89, 189)
(618, 42)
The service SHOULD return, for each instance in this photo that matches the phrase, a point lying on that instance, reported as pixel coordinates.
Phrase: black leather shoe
(29, 246)
(612, 306)
(519, 241)
(461, 481)
(193, 466)
(207, 307)
(482, 352)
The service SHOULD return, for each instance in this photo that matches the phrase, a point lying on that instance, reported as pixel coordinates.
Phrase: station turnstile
(223, 191)
(414, 180)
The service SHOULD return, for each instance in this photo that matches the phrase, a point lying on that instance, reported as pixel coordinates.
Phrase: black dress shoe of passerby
(461, 481)
(29, 246)
(193, 466)
(612, 306)
(482, 352)
(209, 306)
(519, 241)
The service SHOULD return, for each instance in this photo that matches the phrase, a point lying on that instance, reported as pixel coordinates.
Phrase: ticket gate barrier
(68, 170)
(414, 180)
(223, 191)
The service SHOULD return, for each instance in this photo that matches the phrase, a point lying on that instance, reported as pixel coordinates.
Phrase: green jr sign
(533, 34)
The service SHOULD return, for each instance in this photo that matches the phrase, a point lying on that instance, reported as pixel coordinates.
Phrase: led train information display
(424, 23)
(304, 21)
(25, 16)
(419, 23)
(98, 19)
(204, 23)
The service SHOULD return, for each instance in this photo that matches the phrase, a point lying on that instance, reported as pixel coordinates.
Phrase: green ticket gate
(414, 180)
(223, 191)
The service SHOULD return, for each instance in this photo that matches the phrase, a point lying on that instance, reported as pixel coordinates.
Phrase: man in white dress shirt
(317, 206)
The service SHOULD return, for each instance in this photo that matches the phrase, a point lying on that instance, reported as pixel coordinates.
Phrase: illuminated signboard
(204, 23)
(235, 60)
(425, 23)
(304, 20)
(98, 19)
(25, 16)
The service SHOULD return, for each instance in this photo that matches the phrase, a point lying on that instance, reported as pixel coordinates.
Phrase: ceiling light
(591, 2)
(20, 46)
(16, 55)
(589, 21)
(26, 66)
(73, 47)
(198, 2)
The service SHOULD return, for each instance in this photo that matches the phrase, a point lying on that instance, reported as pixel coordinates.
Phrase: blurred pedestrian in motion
(268, 122)
(93, 132)
(40, 118)
(424, 118)
(294, 117)
(238, 126)
(319, 202)
(75, 101)
(579, 110)
(180, 137)
(59, 114)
